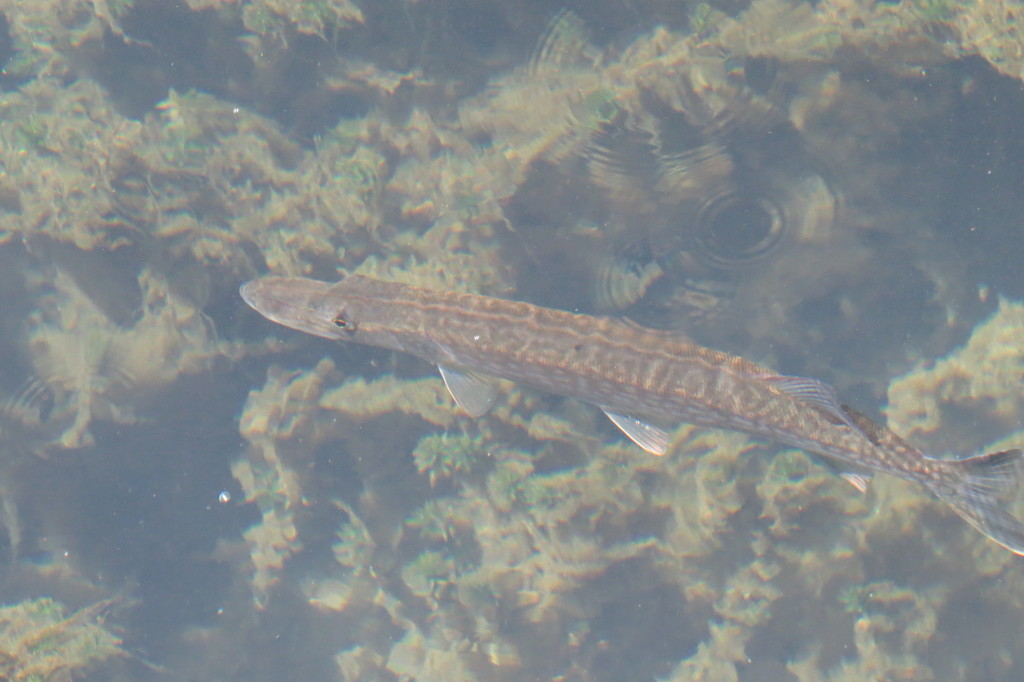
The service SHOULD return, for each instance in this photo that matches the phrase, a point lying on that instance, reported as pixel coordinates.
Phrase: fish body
(641, 378)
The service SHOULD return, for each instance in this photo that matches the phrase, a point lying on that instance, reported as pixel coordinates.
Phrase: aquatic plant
(982, 375)
(442, 455)
(274, 418)
(428, 573)
(98, 368)
(315, 17)
(40, 642)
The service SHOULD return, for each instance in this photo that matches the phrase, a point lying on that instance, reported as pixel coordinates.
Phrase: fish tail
(977, 489)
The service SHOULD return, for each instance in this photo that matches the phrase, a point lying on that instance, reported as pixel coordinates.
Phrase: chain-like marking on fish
(636, 375)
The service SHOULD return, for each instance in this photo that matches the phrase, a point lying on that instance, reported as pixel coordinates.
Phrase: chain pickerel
(644, 380)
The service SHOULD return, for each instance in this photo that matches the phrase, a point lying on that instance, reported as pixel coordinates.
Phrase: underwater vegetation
(40, 641)
(828, 188)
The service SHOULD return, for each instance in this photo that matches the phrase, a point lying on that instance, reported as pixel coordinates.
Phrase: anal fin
(858, 477)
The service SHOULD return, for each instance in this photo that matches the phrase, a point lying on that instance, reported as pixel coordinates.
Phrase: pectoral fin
(650, 438)
(473, 393)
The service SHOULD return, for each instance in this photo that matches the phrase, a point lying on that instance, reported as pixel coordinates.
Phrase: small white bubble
(224, 497)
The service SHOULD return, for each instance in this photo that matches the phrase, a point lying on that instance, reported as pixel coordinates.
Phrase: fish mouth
(268, 294)
(290, 301)
(247, 291)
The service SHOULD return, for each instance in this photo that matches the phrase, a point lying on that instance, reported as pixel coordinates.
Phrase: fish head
(299, 303)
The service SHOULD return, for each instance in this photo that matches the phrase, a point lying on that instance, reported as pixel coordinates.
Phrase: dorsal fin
(817, 394)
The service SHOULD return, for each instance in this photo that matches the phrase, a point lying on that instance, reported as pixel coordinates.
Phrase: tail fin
(977, 490)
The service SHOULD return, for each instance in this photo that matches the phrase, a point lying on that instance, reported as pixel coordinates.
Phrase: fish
(646, 381)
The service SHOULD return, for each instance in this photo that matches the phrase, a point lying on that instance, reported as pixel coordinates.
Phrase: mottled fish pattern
(643, 379)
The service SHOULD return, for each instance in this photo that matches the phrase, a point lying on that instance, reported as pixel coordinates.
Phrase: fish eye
(342, 322)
